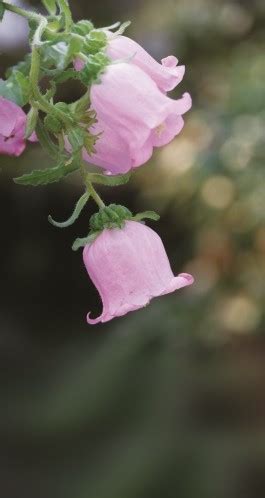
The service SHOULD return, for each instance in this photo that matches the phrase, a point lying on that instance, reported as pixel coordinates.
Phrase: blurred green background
(169, 401)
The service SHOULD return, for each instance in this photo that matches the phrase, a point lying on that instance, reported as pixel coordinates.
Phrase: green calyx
(94, 67)
(113, 216)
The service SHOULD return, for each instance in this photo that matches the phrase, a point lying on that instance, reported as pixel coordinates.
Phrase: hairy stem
(90, 188)
(22, 12)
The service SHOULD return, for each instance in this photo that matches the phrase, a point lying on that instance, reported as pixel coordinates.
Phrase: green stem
(94, 194)
(39, 31)
(90, 188)
(39, 99)
(22, 12)
(65, 9)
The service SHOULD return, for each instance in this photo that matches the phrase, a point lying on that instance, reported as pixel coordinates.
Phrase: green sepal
(50, 175)
(109, 217)
(94, 67)
(2, 11)
(150, 215)
(95, 42)
(109, 180)
(122, 28)
(82, 242)
(50, 6)
(52, 124)
(16, 88)
(76, 137)
(82, 28)
(32, 118)
(78, 208)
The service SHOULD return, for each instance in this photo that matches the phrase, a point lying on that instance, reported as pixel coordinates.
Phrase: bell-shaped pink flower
(166, 75)
(129, 267)
(134, 116)
(12, 128)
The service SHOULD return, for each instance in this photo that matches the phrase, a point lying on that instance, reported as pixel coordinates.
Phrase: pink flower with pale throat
(12, 128)
(129, 267)
(134, 116)
(133, 111)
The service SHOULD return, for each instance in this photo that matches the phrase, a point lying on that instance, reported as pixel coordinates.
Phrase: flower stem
(95, 195)
(90, 188)
(39, 99)
(22, 12)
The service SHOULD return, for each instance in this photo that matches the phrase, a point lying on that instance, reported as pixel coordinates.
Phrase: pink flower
(129, 267)
(134, 116)
(166, 75)
(12, 128)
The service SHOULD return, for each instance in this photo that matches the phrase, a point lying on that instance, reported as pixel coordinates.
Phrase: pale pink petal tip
(188, 277)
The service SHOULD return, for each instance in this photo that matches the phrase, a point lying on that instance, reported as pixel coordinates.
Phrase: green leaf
(16, 88)
(54, 56)
(50, 6)
(32, 119)
(50, 175)
(78, 208)
(22, 66)
(109, 180)
(45, 140)
(151, 215)
(84, 241)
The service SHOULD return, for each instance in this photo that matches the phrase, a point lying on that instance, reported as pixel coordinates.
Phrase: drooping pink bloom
(129, 267)
(134, 116)
(166, 75)
(12, 128)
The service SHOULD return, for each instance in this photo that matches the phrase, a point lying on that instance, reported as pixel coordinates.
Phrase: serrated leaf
(82, 242)
(109, 180)
(50, 6)
(45, 176)
(151, 215)
(78, 208)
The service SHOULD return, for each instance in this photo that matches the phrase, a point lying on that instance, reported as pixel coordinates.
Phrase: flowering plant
(123, 114)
